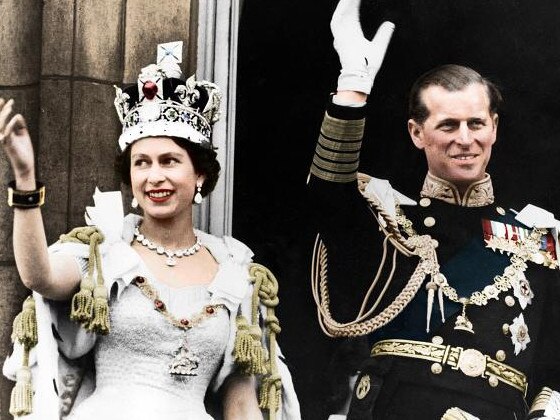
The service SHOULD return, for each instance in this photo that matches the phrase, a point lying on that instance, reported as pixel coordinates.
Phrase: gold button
(510, 301)
(429, 221)
(501, 211)
(425, 202)
(436, 339)
(505, 329)
(500, 355)
(436, 368)
(363, 387)
(435, 243)
(493, 381)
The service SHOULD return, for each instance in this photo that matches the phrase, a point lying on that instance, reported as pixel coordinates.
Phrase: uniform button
(436, 339)
(505, 329)
(501, 211)
(493, 381)
(500, 355)
(425, 202)
(510, 301)
(429, 221)
(436, 368)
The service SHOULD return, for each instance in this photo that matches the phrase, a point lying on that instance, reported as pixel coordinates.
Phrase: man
(451, 293)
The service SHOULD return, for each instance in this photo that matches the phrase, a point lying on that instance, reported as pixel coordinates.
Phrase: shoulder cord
(90, 304)
(25, 333)
(250, 355)
(422, 246)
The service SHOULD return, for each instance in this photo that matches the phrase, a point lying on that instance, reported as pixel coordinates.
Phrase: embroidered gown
(132, 378)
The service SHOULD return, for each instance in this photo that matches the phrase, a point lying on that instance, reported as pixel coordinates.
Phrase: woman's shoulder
(226, 248)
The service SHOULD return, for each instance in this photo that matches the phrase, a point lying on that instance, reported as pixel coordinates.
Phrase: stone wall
(60, 60)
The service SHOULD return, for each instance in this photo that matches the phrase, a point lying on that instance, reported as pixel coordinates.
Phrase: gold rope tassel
(25, 325)
(82, 302)
(270, 394)
(100, 322)
(266, 292)
(25, 333)
(249, 353)
(90, 304)
(21, 402)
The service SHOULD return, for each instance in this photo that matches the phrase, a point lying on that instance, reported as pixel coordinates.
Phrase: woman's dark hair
(451, 77)
(203, 159)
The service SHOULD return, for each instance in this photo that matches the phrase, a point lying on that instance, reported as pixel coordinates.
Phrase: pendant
(170, 261)
(462, 322)
(185, 362)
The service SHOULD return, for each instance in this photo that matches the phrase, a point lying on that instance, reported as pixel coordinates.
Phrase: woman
(147, 363)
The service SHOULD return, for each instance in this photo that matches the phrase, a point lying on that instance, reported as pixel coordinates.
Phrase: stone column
(20, 43)
(60, 60)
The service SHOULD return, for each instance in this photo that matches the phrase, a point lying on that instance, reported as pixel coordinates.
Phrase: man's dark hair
(204, 161)
(451, 77)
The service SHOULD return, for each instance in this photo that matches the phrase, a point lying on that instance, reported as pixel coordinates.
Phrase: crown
(161, 103)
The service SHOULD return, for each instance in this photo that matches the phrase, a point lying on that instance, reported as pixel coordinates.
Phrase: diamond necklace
(171, 255)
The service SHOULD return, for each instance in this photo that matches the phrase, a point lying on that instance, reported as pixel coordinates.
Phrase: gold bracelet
(26, 199)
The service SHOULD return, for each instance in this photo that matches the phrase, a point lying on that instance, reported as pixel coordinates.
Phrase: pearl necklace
(171, 255)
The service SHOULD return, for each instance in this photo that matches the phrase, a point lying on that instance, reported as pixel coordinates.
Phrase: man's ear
(495, 120)
(416, 133)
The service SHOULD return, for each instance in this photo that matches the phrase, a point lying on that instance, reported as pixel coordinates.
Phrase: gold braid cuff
(470, 362)
(337, 154)
(251, 356)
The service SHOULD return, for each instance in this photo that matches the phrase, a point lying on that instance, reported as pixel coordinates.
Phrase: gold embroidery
(479, 193)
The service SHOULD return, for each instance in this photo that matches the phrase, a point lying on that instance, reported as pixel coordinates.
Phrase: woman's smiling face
(163, 178)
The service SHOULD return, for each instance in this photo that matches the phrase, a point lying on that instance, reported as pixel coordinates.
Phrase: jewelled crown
(163, 104)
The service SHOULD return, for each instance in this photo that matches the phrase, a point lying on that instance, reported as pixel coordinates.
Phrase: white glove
(360, 59)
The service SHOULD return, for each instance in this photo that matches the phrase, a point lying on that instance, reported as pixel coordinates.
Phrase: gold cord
(420, 245)
(90, 305)
(250, 354)
(25, 333)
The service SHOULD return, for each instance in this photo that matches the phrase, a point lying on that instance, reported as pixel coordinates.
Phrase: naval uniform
(493, 372)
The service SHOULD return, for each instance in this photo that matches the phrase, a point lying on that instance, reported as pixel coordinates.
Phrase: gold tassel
(25, 325)
(82, 302)
(249, 353)
(89, 305)
(100, 322)
(270, 393)
(21, 402)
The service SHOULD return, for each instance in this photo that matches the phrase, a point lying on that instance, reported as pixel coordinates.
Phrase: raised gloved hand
(360, 59)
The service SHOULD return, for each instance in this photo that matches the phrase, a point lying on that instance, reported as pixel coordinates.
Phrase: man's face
(458, 134)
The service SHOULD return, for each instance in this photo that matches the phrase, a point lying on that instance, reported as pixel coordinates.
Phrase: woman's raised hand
(16, 142)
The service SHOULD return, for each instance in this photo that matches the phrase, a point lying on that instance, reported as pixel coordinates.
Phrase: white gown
(132, 362)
